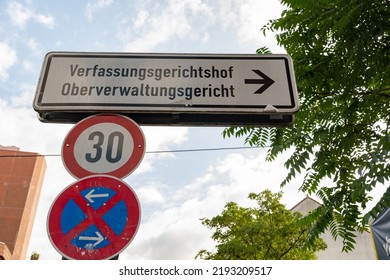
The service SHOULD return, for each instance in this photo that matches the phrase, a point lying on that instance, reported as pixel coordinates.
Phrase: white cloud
(20, 15)
(155, 26)
(141, 19)
(34, 46)
(28, 65)
(93, 7)
(246, 18)
(151, 193)
(253, 15)
(25, 97)
(26, 131)
(175, 233)
(45, 20)
(8, 59)
(160, 139)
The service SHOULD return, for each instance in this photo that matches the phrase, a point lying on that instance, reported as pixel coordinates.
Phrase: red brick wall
(21, 178)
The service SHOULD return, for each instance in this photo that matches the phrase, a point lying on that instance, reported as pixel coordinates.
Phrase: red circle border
(74, 168)
(61, 241)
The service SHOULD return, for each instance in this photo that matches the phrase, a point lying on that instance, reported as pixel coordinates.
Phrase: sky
(175, 190)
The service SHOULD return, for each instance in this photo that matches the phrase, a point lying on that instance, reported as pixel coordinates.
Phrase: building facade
(364, 249)
(21, 178)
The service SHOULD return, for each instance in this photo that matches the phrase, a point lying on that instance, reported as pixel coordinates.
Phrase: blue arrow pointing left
(97, 196)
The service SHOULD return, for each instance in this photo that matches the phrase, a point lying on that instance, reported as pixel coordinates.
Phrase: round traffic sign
(103, 144)
(95, 218)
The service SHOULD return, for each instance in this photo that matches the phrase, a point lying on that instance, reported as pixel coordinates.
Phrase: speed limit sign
(103, 144)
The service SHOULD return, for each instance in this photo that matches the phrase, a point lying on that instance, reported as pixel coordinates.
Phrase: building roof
(9, 148)
(305, 205)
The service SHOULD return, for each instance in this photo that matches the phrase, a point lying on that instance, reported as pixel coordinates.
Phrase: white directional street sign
(198, 89)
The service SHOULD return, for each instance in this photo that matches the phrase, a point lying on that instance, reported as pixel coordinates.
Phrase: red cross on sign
(93, 219)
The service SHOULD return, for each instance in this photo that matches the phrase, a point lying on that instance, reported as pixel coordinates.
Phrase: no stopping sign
(94, 218)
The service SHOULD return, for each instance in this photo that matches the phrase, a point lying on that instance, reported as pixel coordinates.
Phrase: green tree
(267, 231)
(340, 50)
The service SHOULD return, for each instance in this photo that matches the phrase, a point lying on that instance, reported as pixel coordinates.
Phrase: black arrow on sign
(266, 81)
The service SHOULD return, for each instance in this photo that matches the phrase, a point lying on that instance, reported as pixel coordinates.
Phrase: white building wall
(364, 248)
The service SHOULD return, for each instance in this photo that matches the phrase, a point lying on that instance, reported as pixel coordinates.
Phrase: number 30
(118, 136)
